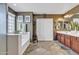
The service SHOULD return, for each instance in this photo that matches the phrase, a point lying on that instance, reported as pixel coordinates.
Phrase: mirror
(70, 23)
(63, 25)
(75, 22)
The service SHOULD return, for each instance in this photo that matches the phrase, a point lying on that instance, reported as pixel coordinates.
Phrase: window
(19, 23)
(11, 23)
(27, 19)
(76, 20)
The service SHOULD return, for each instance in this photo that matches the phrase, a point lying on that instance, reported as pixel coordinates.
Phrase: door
(44, 29)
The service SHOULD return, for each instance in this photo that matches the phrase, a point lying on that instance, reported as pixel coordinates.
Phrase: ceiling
(42, 8)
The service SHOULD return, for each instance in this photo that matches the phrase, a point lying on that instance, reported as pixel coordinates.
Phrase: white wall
(3, 13)
(44, 29)
(3, 18)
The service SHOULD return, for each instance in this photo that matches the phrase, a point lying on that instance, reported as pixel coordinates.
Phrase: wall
(3, 14)
(12, 45)
(55, 17)
(29, 25)
(3, 21)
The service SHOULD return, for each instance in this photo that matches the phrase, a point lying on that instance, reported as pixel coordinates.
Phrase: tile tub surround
(48, 48)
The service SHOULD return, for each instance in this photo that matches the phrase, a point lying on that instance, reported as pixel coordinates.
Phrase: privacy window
(11, 23)
(19, 23)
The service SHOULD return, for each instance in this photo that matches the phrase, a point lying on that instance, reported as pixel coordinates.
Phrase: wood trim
(73, 10)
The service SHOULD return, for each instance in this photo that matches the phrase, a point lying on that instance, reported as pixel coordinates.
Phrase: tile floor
(48, 48)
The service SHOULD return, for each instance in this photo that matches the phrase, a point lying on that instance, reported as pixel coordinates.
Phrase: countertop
(18, 33)
(72, 33)
(13, 34)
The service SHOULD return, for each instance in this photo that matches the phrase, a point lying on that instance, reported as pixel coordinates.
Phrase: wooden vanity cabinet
(67, 41)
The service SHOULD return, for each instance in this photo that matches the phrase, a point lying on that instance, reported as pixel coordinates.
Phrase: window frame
(11, 23)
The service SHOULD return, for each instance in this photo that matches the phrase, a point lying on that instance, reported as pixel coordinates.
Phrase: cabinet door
(73, 43)
(77, 47)
(67, 40)
(62, 38)
(58, 37)
(55, 36)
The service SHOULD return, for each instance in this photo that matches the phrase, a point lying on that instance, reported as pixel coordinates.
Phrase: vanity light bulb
(14, 4)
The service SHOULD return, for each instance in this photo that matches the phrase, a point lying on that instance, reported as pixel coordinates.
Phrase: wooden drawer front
(67, 41)
(62, 38)
(74, 43)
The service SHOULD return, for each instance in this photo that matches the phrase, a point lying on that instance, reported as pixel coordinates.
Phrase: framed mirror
(27, 19)
(20, 19)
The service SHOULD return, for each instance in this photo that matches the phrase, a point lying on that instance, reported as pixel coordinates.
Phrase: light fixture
(14, 4)
(60, 19)
(77, 13)
(68, 16)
